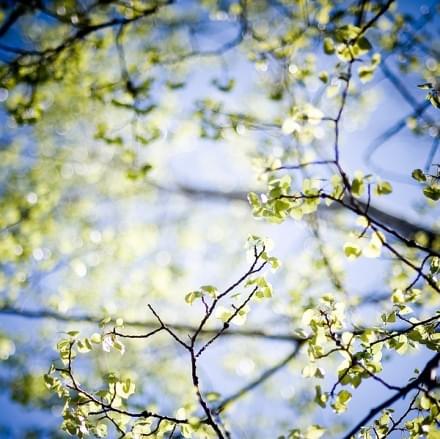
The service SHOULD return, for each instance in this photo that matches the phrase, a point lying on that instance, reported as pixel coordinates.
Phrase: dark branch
(423, 379)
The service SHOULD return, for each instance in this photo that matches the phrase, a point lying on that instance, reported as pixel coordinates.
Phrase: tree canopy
(219, 219)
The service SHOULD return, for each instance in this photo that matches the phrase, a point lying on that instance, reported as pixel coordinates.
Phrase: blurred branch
(18, 11)
(405, 227)
(432, 153)
(149, 324)
(393, 130)
(376, 226)
(259, 380)
(333, 275)
(361, 11)
(424, 378)
(404, 92)
(373, 20)
(82, 30)
(225, 47)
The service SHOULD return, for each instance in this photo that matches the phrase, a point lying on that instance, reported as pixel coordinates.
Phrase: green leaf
(101, 430)
(366, 73)
(418, 175)
(308, 316)
(142, 427)
(210, 290)
(105, 321)
(352, 251)
(212, 396)
(434, 98)
(194, 422)
(84, 346)
(320, 398)
(175, 85)
(264, 288)
(96, 338)
(364, 44)
(224, 87)
(435, 265)
(329, 46)
(49, 380)
(389, 318)
(119, 347)
(347, 32)
(425, 402)
(223, 313)
(323, 76)
(384, 188)
(432, 192)
(192, 296)
(274, 262)
(342, 399)
(314, 432)
(137, 173)
(254, 200)
(425, 86)
(374, 247)
(309, 371)
(357, 186)
(126, 388)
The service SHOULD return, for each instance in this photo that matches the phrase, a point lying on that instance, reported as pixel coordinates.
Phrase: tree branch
(259, 380)
(53, 315)
(423, 378)
(407, 228)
